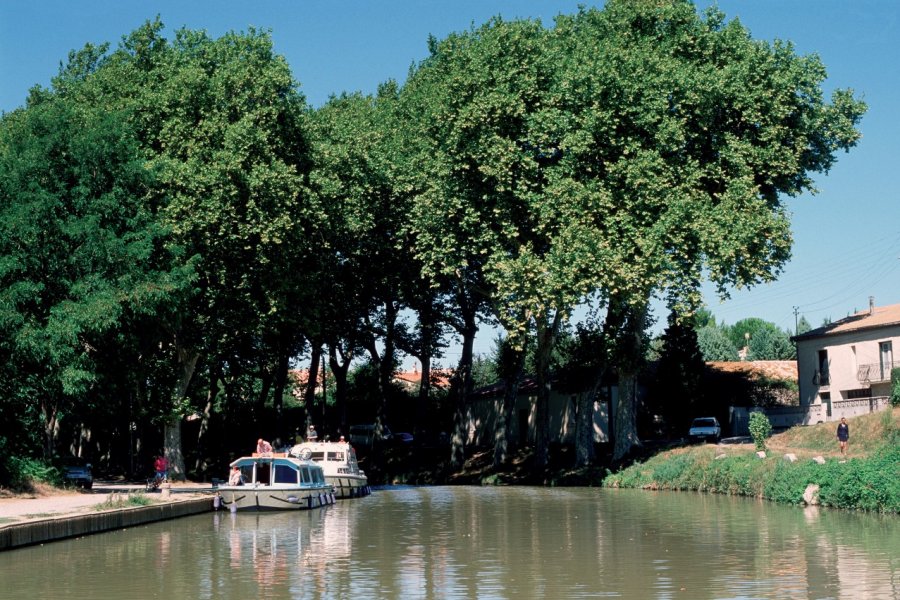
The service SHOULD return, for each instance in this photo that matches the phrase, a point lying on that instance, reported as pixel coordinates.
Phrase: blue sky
(846, 238)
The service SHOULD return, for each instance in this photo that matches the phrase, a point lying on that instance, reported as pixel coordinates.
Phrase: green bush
(866, 484)
(760, 429)
(22, 472)
(871, 484)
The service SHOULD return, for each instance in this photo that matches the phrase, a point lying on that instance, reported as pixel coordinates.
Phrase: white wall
(843, 362)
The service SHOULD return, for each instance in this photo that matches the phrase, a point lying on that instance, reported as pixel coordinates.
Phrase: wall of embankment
(37, 532)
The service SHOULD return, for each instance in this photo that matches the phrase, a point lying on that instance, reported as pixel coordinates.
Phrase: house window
(854, 364)
(860, 393)
(886, 359)
(821, 376)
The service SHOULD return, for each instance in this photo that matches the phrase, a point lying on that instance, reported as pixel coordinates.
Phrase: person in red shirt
(162, 468)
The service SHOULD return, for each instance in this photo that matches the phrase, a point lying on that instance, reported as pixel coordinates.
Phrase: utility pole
(796, 325)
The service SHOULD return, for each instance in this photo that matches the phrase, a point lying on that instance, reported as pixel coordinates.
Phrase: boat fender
(217, 502)
(309, 500)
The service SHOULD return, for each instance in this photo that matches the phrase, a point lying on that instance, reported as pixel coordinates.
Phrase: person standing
(843, 435)
(162, 468)
(311, 435)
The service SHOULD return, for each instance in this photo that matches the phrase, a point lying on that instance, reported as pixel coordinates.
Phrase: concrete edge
(17, 535)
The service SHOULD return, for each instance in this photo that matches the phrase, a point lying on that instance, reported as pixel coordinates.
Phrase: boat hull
(348, 486)
(265, 498)
(338, 462)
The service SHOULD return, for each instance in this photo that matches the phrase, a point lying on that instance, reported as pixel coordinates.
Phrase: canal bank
(800, 466)
(27, 521)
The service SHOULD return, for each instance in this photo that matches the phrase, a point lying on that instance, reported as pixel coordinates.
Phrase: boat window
(262, 473)
(318, 456)
(338, 456)
(285, 474)
(304, 474)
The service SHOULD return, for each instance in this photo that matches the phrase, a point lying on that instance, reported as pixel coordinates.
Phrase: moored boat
(276, 481)
(338, 460)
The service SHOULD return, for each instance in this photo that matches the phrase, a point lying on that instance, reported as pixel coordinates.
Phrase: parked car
(402, 437)
(364, 435)
(77, 472)
(705, 429)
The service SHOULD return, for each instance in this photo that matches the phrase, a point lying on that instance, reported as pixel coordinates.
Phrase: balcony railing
(876, 371)
(821, 378)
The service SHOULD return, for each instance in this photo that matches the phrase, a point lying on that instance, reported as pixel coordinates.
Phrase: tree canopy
(200, 226)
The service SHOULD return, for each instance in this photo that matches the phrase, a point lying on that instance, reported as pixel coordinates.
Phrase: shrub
(760, 429)
(22, 473)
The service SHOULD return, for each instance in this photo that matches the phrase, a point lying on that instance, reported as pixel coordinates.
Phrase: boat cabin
(278, 471)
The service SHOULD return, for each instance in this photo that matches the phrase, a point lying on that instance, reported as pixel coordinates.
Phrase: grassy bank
(868, 480)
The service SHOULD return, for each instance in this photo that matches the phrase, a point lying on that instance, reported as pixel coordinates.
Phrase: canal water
(472, 542)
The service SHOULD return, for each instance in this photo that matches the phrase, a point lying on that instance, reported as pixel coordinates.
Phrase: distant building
(845, 367)
(485, 405)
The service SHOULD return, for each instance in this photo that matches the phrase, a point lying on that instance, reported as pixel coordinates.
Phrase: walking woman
(843, 434)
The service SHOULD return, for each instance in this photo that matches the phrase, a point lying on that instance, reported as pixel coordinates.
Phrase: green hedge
(871, 484)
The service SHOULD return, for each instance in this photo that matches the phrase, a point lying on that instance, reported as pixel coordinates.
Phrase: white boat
(276, 481)
(338, 459)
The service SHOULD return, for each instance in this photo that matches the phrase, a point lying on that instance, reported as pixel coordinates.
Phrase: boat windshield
(285, 474)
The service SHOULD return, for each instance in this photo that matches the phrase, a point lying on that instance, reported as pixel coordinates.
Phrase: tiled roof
(879, 316)
(785, 370)
(439, 377)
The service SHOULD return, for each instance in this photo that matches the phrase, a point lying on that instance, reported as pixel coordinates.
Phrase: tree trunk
(629, 359)
(309, 396)
(428, 332)
(584, 423)
(212, 392)
(339, 372)
(280, 383)
(461, 389)
(626, 430)
(187, 360)
(386, 366)
(50, 414)
(514, 369)
(424, 390)
(546, 338)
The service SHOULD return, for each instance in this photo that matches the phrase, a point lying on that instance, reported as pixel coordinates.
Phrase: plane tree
(685, 136)
(220, 123)
(356, 180)
(484, 219)
(85, 263)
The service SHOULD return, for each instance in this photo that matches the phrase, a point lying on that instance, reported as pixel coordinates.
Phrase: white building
(844, 368)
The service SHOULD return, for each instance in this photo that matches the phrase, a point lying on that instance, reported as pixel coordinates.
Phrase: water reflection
(481, 543)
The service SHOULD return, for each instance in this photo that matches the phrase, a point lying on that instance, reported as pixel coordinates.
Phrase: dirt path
(48, 503)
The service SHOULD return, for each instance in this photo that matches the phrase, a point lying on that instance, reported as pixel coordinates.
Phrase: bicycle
(154, 482)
